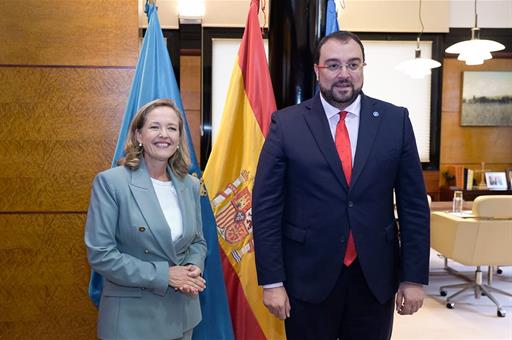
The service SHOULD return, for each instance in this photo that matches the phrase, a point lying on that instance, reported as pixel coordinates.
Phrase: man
(329, 253)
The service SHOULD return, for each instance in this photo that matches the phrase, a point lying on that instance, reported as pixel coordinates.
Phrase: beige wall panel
(44, 278)
(394, 16)
(360, 15)
(59, 128)
(470, 145)
(60, 32)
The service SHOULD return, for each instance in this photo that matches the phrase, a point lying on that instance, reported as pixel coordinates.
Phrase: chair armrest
(453, 236)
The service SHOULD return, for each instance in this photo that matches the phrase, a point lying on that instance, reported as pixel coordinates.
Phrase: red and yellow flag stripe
(229, 179)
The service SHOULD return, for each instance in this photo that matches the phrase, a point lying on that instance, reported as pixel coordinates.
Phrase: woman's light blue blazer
(129, 243)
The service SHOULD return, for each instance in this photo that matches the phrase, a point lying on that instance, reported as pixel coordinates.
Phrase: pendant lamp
(418, 67)
(475, 50)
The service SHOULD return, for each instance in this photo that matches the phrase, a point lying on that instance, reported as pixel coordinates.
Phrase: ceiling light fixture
(418, 67)
(191, 11)
(475, 50)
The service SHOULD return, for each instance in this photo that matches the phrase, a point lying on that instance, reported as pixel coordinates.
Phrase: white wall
(382, 81)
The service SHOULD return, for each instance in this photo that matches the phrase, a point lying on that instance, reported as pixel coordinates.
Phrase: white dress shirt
(351, 121)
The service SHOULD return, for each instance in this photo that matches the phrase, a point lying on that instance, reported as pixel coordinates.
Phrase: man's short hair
(342, 36)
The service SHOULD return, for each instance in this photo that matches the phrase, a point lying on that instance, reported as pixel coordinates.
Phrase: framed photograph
(486, 98)
(496, 180)
(509, 177)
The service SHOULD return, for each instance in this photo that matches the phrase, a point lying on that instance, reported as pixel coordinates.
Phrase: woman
(144, 234)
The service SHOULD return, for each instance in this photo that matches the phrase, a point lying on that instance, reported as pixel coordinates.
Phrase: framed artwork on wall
(486, 98)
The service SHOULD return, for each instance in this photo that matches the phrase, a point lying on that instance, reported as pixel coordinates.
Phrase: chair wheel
(450, 305)
(442, 292)
(501, 313)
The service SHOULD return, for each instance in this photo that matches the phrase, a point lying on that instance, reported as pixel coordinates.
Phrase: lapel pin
(376, 114)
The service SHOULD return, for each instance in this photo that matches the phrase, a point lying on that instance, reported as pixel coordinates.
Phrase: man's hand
(276, 300)
(409, 298)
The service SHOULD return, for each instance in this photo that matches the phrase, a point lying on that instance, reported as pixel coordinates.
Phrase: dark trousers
(351, 312)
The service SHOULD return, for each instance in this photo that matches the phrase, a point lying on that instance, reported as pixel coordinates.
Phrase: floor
(470, 319)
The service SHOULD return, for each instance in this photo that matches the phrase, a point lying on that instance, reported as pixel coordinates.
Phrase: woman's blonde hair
(179, 161)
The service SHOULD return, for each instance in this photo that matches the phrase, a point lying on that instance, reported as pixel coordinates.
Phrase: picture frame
(486, 98)
(509, 177)
(496, 180)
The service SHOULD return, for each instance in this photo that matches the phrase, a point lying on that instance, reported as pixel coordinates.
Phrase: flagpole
(291, 59)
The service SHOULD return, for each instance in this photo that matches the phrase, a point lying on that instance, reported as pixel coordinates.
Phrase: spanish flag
(229, 179)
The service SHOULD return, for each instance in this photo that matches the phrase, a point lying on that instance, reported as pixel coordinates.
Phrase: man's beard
(340, 100)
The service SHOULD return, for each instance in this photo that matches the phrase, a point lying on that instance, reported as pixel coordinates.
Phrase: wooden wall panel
(470, 145)
(44, 278)
(59, 128)
(431, 179)
(190, 89)
(65, 74)
(59, 32)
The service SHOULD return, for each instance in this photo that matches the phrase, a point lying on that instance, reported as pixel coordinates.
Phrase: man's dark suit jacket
(303, 207)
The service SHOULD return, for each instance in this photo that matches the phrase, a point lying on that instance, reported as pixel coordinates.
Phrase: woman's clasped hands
(187, 279)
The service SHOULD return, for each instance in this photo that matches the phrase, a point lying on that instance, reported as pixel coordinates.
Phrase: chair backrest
(493, 206)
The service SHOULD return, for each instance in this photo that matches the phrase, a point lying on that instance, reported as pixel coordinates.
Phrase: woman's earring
(140, 145)
(177, 146)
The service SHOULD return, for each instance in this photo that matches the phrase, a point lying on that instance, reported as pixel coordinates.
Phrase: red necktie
(342, 141)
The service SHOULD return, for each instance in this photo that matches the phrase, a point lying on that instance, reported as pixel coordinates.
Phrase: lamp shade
(475, 44)
(418, 67)
(475, 51)
(474, 56)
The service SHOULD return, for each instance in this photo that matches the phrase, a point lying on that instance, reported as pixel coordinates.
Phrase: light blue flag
(154, 78)
(331, 19)
(331, 24)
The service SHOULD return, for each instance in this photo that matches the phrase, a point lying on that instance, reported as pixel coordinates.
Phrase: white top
(351, 121)
(168, 199)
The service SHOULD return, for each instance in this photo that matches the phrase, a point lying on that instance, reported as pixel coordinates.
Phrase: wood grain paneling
(190, 89)
(431, 179)
(194, 121)
(59, 32)
(470, 145)
(65, 74)
(44, 278)
(190, 81)
(59, 128)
